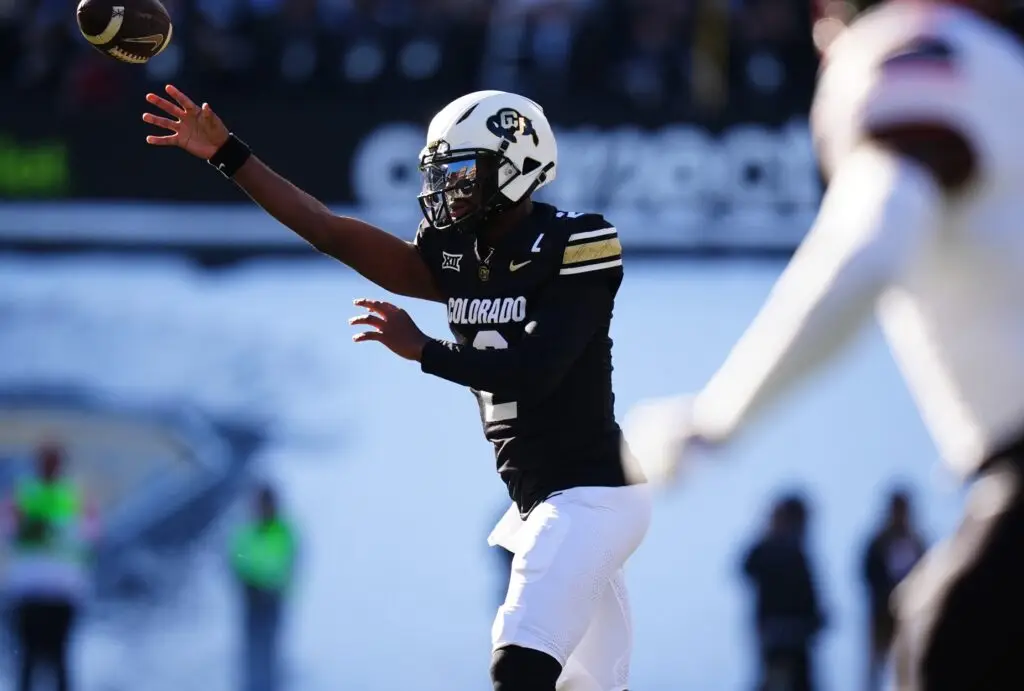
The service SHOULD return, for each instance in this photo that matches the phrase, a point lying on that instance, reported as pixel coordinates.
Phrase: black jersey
(531, 326)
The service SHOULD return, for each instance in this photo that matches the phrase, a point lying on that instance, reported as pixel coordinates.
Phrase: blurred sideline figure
(889, 557)
(787, 610)
(48, 576)
(263, 554)
(917, 119)
(529, 292)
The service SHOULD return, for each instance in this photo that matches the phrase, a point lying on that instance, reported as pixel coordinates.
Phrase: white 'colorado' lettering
(486, 310)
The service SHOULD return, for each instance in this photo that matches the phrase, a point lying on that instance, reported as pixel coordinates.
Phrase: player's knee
(521, 669)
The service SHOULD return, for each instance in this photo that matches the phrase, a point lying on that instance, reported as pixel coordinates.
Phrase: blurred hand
(196, 130)
(659, 439)
(392, 326)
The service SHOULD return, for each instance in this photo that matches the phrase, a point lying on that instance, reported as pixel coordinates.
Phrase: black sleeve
(422, 240)
(425, 242)
(569, 315)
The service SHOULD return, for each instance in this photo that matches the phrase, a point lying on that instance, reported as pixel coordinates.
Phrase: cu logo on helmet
(509, 124)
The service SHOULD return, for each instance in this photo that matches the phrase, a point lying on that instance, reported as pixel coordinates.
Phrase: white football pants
(567, 592)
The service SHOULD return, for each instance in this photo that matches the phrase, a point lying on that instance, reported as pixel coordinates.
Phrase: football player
(917, 118)
(529, 291)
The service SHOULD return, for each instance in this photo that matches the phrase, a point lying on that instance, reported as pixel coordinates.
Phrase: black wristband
(231, 156)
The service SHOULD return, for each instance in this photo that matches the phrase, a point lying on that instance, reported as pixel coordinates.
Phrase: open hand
(195, 129)
(660, 440)
(392, 326)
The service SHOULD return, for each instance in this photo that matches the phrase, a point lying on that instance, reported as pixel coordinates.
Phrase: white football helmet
(486, 152)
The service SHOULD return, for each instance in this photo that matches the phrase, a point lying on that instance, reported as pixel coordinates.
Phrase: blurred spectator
(263, 555)
(48, 577)
(45, 45)
(788, 616)
(710, 56)
(773, 63)
(11, 13)
(530, 44)
(635, 57)
(94, 82)
(889, 557)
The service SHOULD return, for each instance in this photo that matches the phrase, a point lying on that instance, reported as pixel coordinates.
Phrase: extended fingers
(165, 105)
(184, 101)
(368, 336)
(168, 140)
(368, 320)
(379, 306)
(166, 123)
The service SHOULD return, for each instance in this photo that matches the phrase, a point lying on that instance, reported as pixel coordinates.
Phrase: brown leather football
(128, 30)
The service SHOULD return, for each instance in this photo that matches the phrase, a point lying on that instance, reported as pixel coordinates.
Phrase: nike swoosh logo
(155, 40)
(512, 266)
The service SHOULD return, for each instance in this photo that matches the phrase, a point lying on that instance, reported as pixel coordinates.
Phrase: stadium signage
(747, 184)
(681, 186)
(31, 170)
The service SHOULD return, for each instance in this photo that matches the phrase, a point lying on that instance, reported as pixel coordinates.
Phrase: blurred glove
(660, 441)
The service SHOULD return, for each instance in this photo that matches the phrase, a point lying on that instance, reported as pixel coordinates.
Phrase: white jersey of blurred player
(944, 270)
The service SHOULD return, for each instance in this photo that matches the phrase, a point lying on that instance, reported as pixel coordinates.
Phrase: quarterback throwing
(529, 291)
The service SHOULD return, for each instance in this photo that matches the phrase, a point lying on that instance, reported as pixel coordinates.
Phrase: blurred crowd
(643, 59)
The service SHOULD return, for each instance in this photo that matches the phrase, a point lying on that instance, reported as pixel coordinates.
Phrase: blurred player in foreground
(918, 121)
(529, 291)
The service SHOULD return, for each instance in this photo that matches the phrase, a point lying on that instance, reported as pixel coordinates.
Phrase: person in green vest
(48, 574)
(263, 553)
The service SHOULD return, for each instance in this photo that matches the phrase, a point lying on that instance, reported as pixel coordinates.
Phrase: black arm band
(231, 156)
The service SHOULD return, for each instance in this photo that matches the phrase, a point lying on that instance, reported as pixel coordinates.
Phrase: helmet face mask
(463, 188)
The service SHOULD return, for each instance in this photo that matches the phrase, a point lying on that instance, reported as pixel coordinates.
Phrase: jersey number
(494, 412)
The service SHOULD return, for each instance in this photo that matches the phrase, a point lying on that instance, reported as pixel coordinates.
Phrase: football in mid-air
(128, 30)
